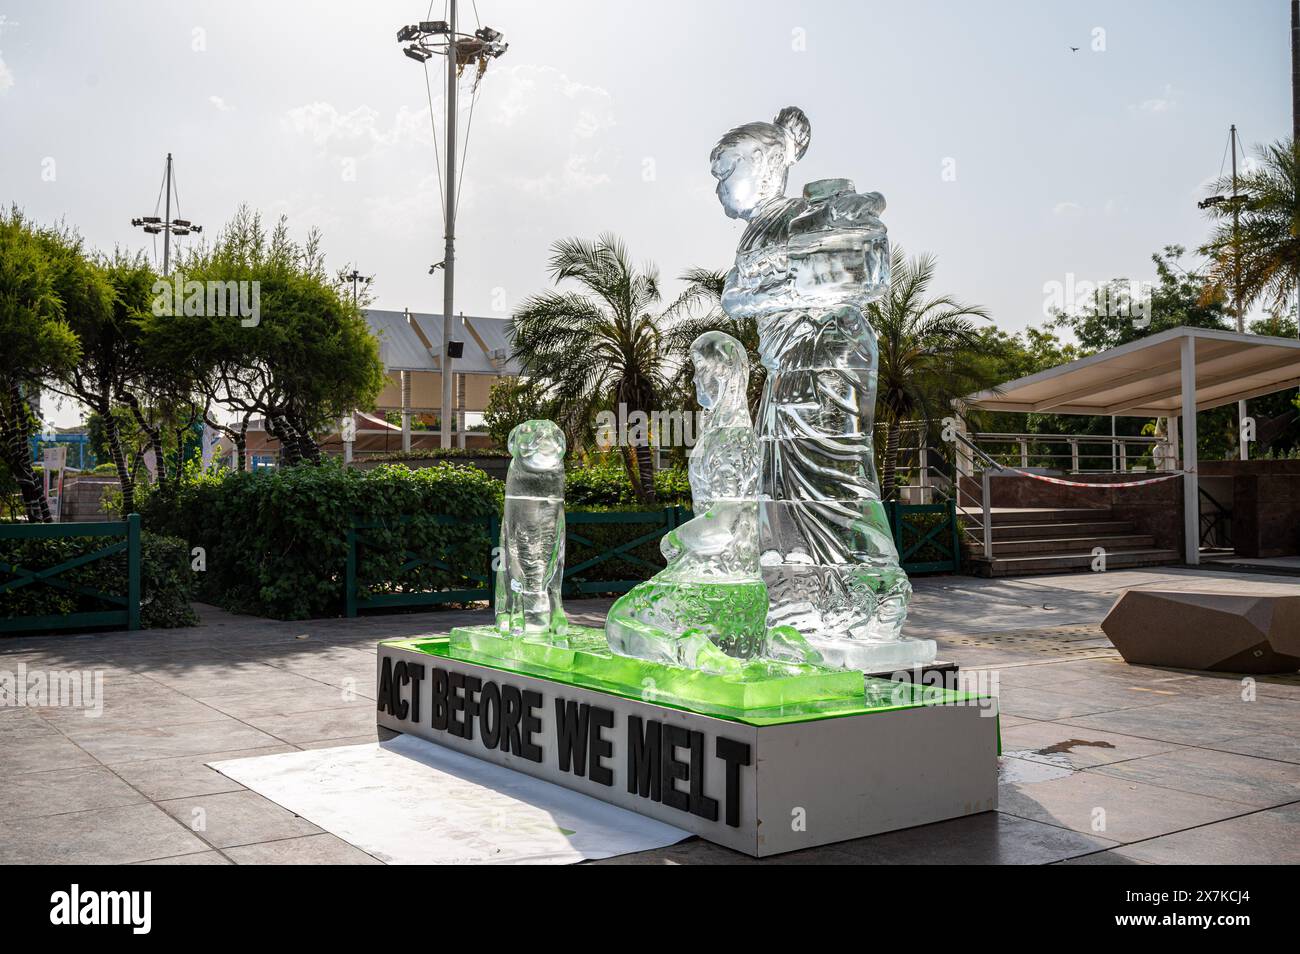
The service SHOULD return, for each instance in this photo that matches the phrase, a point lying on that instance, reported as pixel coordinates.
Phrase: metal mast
(424, 40)
(168, 226)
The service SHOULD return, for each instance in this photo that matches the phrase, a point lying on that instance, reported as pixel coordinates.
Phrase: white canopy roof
(1142, 378)
(415, 343)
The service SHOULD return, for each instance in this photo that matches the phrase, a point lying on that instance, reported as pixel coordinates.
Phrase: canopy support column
(1191, 481)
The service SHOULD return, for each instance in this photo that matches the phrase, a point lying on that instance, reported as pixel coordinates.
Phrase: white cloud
(6, 74)
(1067, 208)
(361, 131)
(221, 104)
(563, 124)
(1157, 104)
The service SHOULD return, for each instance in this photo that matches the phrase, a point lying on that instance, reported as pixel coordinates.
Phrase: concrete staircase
(1055, 540)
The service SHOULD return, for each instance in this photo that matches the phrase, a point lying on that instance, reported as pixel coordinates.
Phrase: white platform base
(760, 789)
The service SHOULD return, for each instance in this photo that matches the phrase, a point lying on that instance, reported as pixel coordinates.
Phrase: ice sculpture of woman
(806, 268)
(706, 609)
(530, 561)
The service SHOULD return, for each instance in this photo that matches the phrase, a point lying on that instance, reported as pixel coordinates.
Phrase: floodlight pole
(1243, 445)
(449, 252)
(167, 218)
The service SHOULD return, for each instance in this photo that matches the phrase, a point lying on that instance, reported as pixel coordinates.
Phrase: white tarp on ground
(408, 801)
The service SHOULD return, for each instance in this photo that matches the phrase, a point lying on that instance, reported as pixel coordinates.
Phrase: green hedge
(607, 484)
(166, 581)
(275, 541)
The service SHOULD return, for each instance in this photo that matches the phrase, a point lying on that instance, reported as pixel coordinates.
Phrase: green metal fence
(591, 567)
(927, 536)
(125, 608)
(361, 534)
(592, 555)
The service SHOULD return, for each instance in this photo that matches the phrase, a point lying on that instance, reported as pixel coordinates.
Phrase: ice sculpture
(530, 560)
(805, 269)
(706, 609)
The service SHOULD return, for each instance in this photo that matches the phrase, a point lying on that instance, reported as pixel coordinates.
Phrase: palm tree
(600, 347)
(927, 352)
(1264, 258)
(699, 309)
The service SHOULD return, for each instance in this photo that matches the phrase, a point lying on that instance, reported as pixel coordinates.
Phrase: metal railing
(60, 576)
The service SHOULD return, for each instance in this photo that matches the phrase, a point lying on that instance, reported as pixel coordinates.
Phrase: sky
(1014, 160)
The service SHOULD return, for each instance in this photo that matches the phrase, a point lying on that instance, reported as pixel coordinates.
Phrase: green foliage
(276, 541)
(166, 581)
(1262, 253)
(605, 484)
(437, 453)
(306, 359)
(511, 402)
(587, 541)
(1179, 298)
(36, 336)
(597, 348)
(926, 347)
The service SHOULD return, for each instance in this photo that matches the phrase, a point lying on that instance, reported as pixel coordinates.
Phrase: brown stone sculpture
(1211, 631)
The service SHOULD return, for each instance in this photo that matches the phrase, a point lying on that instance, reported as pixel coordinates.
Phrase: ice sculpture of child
(805, 269)
(530, 561)
(707, 608)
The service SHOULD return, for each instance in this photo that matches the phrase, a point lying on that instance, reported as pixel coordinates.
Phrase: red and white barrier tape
(1081, 483)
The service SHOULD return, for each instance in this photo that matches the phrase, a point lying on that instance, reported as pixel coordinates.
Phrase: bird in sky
(1074, 49)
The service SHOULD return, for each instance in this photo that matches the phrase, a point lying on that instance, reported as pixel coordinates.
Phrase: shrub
(607, 484)
(276, 540)
(437, 453)
(166, 581)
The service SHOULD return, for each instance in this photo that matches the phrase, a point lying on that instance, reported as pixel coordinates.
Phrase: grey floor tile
(103, 836)
(188, 775)
(1115, 856)
(1073, 747)
(1282, 745)
(237, 818)
(987, 838)
(1264, 838)
(251, 705)
(366, 738)
(1113, 808)
(113, 744)
(63, 790)
(302, 727)
(1189, 722)
(1049, 704)
(1263, 783)
(40, 751)
(198, 858)
(324, 849)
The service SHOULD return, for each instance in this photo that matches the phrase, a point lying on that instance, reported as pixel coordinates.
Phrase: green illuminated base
(756, 687)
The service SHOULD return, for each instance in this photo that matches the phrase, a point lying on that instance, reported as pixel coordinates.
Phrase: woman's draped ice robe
(806, 268)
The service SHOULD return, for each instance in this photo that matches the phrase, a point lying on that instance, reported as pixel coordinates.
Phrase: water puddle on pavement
(1070, 744)
(1027, 766)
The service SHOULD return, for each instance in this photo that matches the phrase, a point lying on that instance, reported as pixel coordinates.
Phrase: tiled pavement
(1104, 763)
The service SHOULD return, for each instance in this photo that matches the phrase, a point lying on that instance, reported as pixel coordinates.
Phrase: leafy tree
(301, 362)
(511, 402)
(1179, 298)
(704, 291)
(37, 344)
(597, 347)
(926, 352)
(1263, 252)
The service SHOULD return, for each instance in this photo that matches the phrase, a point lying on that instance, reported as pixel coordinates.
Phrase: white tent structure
(412, 350)
(1171, 374)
